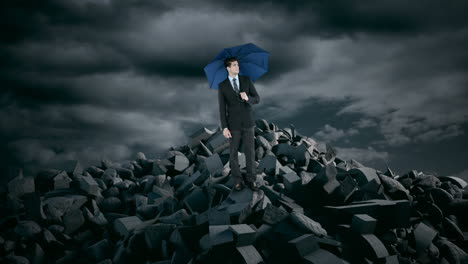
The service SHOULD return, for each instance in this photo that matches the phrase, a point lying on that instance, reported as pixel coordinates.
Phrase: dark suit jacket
(235, 114)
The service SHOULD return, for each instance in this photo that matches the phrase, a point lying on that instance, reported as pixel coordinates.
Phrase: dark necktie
(235, 85)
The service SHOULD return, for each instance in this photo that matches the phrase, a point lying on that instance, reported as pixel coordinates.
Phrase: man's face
(234, 68)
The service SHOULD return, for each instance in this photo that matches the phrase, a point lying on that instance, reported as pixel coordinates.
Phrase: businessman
(236, 95)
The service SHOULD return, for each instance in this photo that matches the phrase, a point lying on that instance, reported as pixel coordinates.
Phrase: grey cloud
(122, 73)
(367, 156)
(337, 18)
(330, 133)
(365, 122)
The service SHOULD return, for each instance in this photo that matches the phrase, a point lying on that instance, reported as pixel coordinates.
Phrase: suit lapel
(241, 83)
(229, 86)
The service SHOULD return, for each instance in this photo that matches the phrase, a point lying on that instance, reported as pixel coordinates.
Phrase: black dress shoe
(253, 186)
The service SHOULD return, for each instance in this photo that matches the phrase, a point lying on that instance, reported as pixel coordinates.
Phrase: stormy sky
(384, 82)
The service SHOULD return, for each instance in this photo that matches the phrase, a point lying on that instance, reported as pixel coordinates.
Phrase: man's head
(232, 66)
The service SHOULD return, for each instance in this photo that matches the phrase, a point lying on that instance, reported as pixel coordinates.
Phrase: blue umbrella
(253, 62)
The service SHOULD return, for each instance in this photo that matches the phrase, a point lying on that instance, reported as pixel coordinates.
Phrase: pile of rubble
(312, 207)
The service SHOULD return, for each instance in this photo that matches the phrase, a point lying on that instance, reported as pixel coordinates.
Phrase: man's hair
(227, 61)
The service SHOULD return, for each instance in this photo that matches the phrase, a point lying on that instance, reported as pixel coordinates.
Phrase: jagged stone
(269, 164)
(27, 229)
(244, 235)
(155, 234)
(312, 207)
(423, 236)
(61, 181)
(199, 135)
(125, 225)
(72, 167)
(89, 185)
(455, 180)
(33, 207)
(363, 224)
(250, 255)
(307, 224)
(21, 185)
(99, 251)
(196, 201)
(304, 245)
(73, 220)
(213, 164)
(291, 181)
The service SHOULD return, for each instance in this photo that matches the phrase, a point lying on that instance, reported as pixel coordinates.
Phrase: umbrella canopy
(253, 62)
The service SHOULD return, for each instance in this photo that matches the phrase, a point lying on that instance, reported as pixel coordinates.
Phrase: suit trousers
(246, 137)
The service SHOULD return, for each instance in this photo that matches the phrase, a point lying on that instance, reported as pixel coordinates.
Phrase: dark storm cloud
(81, 79)
(81, 37)
(23, 19)
(329, 18)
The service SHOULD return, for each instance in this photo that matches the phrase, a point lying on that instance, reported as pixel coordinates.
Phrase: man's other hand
(244, 96)
(227, 133)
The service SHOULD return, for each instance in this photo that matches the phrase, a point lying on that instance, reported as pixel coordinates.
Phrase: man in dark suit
(236, 95)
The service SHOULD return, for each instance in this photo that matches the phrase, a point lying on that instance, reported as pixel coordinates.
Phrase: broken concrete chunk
(372, 248)
(269, 164)
(423, 236)
(346, 189)
(72, 167)
(21, 185)
(307, 224)
(426, 181)
(216, 217)
(325, 175)
(95, 171)
(302, 154)
(291, 181)
(89, 185)
(33, 207)
(322, 256)
(389, 214)
(110, 204)
(199, 135)
(304, 245)
(273, 214)
(125, 225)
(176, 218)
(159, 166)
(354, 164)
(220, 235)
(244, 235)
(250, 254)
(290, 206)
(455, 180)
(196, 201)
(314, 166)
(124, 173)
(363, 224)
(364, 175)
(180, 162)
(217, 143)
(263, 142)
(283, 149)
(213, 164)
(61, 181)
(73, 220)
(100, 250)
(155, 234)
(27, 229)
